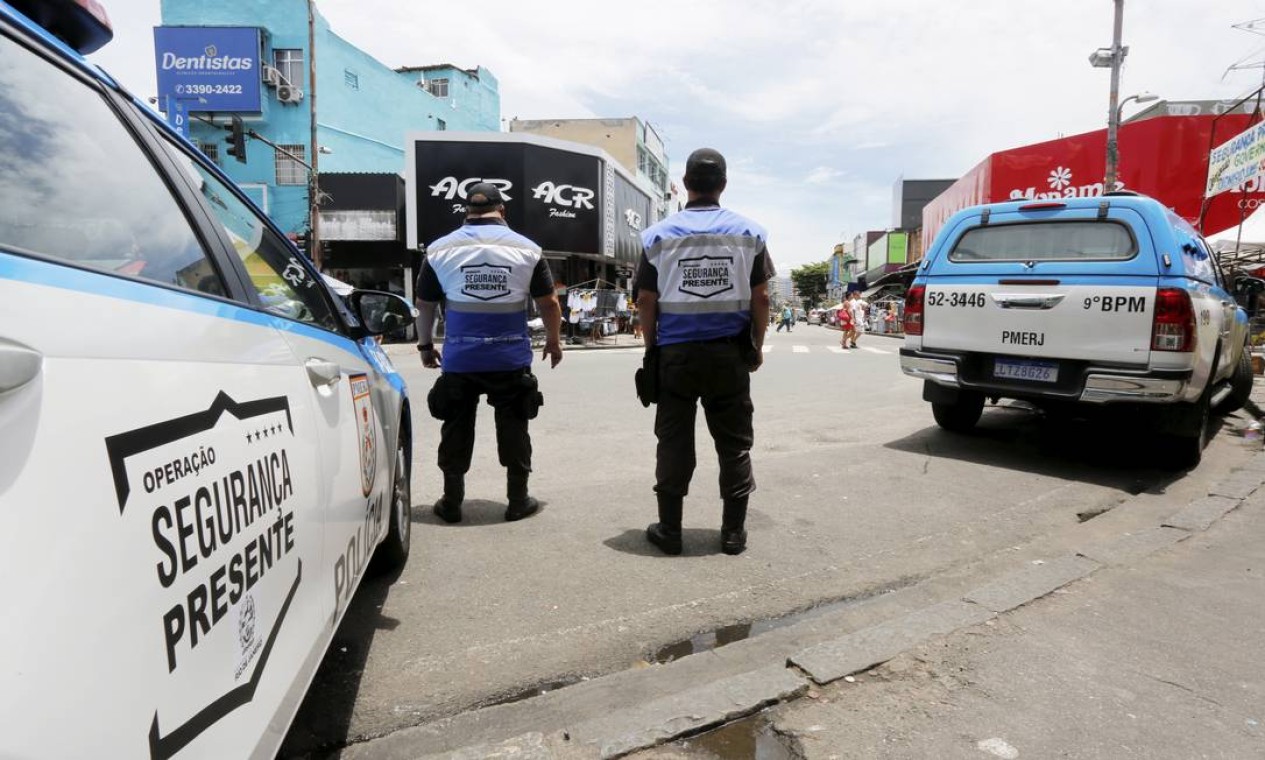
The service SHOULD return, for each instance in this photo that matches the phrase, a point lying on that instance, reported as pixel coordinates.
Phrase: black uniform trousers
(716, 374)
(505, 392)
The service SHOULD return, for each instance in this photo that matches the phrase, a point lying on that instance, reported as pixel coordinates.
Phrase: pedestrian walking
(785, 319)
(703, 293)
(484, 273)
(844, 317)
(859, 309)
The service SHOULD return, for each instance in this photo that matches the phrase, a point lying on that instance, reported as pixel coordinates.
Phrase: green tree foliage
(810, 281)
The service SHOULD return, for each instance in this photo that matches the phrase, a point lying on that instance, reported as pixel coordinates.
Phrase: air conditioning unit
(288, 93)
(272, 77)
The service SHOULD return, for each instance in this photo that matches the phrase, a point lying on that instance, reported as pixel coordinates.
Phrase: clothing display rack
(592, 310)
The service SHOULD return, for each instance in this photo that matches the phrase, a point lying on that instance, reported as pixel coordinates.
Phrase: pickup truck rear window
(1047, 241)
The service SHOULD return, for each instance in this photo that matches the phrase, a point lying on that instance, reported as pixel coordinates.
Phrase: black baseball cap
(705, 162)
(484, 195)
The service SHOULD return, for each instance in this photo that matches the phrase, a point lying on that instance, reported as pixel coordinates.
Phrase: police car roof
(78, 26)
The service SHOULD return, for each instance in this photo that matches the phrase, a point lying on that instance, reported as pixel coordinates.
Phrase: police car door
(160, 506)
(357, 452)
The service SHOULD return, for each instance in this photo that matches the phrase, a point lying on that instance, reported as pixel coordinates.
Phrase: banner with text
(208, 68)
(1236, 161)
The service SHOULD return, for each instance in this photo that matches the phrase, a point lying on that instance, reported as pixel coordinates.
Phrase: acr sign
(208, 68)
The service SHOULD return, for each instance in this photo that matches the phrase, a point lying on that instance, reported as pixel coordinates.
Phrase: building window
(438, 87)
(350, 79)
(211, 150)
(441, 125)
(289, 171)
(289, 61)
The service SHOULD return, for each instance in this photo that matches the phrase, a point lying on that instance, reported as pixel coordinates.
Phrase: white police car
(1112, 300)
(200, 447)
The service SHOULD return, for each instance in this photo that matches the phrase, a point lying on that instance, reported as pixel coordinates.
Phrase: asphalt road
(859, 493)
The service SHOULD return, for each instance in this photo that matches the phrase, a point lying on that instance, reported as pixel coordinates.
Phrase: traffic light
(237, 140)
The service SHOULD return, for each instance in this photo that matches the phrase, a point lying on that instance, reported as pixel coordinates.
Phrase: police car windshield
(1046, 241)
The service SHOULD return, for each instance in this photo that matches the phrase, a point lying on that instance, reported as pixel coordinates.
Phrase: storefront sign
(1165, 158)
(1237, 161)
(208, 68)
(566, 201)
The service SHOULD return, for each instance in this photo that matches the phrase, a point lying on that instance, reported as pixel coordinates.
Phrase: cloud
(913, 88)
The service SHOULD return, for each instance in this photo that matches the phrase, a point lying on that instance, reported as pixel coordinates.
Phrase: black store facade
(583, 209)
(362, 231)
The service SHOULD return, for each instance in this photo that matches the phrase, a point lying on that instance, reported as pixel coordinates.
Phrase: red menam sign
(1165, 157)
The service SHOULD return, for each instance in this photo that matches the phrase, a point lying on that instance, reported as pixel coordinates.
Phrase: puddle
(748, 739)
(709, 640)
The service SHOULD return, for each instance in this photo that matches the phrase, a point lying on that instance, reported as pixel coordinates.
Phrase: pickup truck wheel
(1184, 451)
(961, 415)
(393, 551)
(1240, 385)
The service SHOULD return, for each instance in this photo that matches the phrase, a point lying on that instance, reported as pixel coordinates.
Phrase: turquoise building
(364, 109)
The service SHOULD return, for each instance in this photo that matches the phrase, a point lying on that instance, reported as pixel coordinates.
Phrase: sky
(818, 105)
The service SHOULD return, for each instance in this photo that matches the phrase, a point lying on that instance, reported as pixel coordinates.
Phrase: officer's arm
(551, 314)
(425, 322)
(759, 313)
(648, 308)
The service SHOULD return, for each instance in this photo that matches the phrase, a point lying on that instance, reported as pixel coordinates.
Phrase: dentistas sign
(208, 68)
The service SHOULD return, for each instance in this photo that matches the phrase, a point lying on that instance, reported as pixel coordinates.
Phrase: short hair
(705, 183)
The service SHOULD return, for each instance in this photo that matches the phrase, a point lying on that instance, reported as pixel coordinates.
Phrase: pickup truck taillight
(1173, 328)
(913, 309)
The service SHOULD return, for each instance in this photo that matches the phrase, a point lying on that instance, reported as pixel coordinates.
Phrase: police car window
(283, 284)
(1046, 241)
(75, 185)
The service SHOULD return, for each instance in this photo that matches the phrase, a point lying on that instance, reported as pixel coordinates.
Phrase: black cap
(705, 162)
(484, 195)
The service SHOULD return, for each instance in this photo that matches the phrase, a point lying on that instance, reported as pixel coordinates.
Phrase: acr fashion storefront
(583, 209)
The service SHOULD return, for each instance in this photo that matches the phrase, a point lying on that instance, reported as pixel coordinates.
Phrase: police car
(201, 448)
(1088, 301)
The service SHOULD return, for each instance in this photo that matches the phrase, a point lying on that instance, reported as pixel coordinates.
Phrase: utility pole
(314, 185)
(1113, 112)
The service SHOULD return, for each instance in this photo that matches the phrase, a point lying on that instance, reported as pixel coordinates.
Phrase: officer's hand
(553, 352)
(431, 359)
(759, 360)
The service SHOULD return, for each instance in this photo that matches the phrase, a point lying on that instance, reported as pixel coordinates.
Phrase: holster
(647, 378)
(747, 350)
(441, 400)
(530, 399)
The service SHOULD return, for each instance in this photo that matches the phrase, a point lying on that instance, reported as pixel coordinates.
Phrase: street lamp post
(1113, 59)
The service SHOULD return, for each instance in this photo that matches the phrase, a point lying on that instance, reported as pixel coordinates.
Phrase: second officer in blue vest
(484, 272)
(704, 303)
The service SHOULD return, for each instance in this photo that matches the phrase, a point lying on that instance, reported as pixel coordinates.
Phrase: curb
(638, 712)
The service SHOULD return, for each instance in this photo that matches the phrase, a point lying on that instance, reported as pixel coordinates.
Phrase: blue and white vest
(704, 257)
(485, 271)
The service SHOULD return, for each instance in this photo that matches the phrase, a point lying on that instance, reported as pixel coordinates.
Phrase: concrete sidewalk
(1155, 658)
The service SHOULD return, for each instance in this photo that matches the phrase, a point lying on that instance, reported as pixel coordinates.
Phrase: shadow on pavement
(321, 727)
(698, 542)
(1103, 449)
(474, 513)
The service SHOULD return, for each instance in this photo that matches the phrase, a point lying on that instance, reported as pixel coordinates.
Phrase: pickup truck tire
(959, 416)
(1240, 384)
(1184, 451)
(392, 553)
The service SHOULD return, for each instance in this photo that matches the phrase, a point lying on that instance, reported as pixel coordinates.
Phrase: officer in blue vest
(484, 273)
(704, 301)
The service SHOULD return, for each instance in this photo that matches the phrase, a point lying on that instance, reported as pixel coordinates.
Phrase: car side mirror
(380, 312)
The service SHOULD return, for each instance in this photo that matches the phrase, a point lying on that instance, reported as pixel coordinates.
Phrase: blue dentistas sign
(208, 68)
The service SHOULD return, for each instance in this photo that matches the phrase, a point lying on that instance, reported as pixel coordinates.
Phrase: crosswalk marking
(799, 349)
(768, 348)
(876, 350)
(837, 350)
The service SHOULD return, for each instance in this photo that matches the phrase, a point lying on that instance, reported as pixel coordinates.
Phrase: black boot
(520, 503)
(733, 537)
(448, 508)
(666, 534)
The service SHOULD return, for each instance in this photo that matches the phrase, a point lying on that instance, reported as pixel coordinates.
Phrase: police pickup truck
(201, 447)
(1086, 301)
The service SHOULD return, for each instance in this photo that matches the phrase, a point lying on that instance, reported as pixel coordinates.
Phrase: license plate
(1012, 369)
